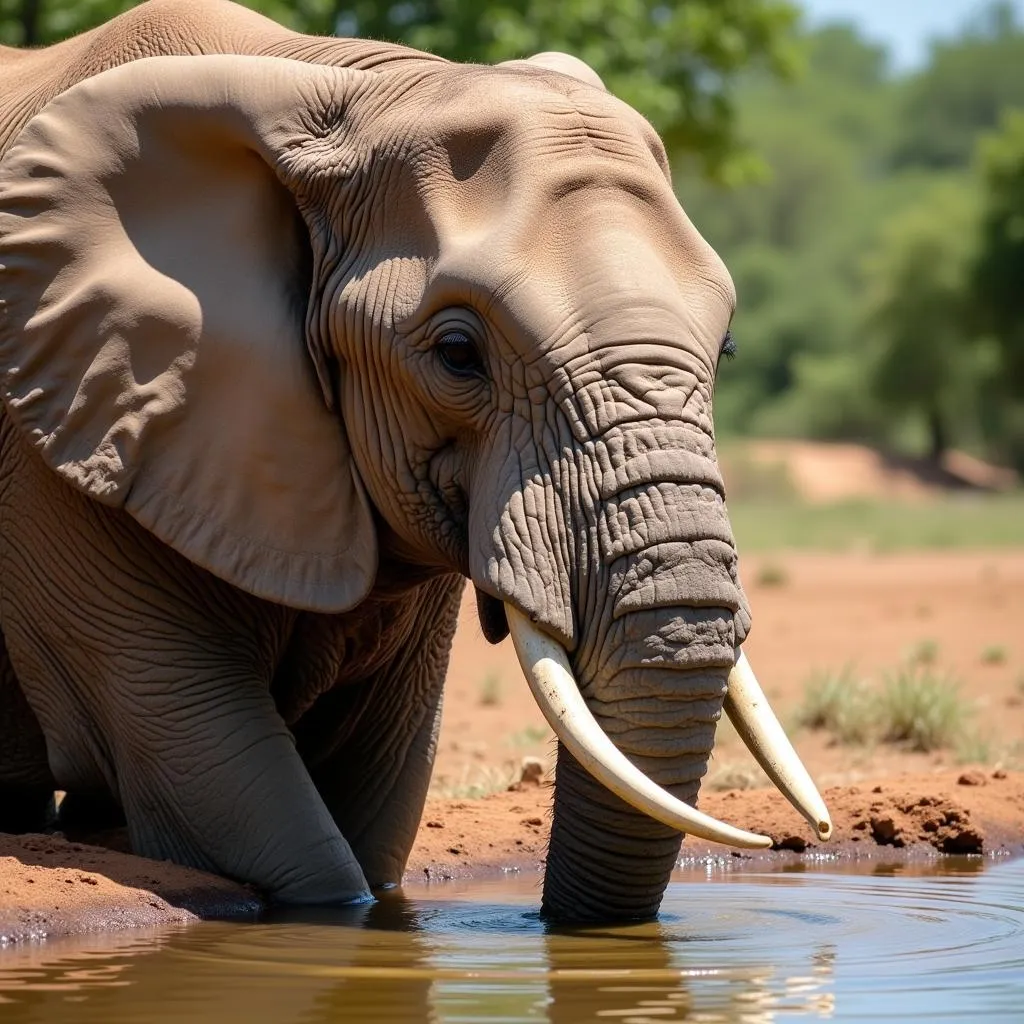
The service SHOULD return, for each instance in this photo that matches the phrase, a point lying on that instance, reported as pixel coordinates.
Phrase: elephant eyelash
(460, 355)
(728, 346)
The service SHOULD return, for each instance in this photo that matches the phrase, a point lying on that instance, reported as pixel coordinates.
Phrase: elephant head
(291, 316)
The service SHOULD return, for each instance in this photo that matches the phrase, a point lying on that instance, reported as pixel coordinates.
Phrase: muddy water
(875, 943)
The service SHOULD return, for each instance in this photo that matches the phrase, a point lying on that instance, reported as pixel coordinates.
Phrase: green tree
(967, 84)
(998, 276)
(918, 312)
(794, 239)
(676, 63)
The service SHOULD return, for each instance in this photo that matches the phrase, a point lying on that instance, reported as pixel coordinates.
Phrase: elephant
(298, 335)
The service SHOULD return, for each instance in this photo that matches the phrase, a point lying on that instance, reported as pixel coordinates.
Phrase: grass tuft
(972, 747)
(924, 652)
(840, 703)
(921, 708)
(771, 574)
(529, 736)
(733, 776)
(490, 690)
(475, 782)
(994, 654)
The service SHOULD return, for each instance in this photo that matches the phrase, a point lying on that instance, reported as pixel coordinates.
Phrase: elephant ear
(155, 275)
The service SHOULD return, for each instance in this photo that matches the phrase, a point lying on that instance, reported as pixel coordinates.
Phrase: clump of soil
(916, 815)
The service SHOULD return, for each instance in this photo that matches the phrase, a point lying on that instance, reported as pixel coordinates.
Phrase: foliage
(873, 221)
(968, 84)
(998, 273)
(917, 309)
(676, 63)
(854, 258)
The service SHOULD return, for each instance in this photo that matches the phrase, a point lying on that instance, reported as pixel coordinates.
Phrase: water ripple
(869, 944)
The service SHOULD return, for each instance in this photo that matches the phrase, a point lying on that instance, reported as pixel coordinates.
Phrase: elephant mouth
(491, 612)
(554, 687)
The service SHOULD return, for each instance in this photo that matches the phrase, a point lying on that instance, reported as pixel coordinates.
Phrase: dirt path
(811, 613)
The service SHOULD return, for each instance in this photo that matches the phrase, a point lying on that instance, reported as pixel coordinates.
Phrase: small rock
(795, 843)
(877, 789)
(531, 772)
(999, 773)
(533, 821)
(435, 824)
(974, 778)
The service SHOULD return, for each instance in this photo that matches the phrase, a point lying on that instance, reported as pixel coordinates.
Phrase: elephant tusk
(547, 670)
(749, 711)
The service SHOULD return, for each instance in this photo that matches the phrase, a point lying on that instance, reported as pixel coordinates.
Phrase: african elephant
(297, 335)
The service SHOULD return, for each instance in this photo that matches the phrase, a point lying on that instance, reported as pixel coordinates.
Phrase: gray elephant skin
(296, 336)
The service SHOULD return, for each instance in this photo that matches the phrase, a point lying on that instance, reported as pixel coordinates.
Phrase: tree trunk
(30, 11)
(939, 440)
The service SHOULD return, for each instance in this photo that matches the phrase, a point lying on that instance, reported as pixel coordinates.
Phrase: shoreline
(51, 887)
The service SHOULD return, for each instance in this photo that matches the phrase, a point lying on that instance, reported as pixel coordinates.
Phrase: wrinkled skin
(452, 323)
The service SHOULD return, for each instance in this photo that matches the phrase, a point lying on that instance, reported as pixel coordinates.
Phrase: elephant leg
(215, 780)
(375, 780)
(26, 784)
(150, 679)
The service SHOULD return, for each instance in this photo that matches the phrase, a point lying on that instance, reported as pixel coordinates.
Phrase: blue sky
(905, 26)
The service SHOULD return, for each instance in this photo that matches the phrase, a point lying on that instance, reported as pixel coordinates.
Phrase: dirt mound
(49, 886)
(821, 472)
(910, 816)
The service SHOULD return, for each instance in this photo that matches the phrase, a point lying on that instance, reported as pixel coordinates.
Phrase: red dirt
(918, 815)
(49, 886)
(830, 610)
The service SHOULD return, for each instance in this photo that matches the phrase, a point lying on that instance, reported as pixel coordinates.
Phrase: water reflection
(884, 944)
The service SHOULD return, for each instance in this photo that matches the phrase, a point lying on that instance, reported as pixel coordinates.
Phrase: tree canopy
(676, 63)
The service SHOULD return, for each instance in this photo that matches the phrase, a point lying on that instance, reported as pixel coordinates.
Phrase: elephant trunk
(653, 664)
(655, 686)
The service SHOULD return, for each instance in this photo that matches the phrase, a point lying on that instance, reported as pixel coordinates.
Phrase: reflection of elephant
(289, 349)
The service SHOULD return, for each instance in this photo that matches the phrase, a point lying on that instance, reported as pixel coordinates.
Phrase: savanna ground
(887, 634)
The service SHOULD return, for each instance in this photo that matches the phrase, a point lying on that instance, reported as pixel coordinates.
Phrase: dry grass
(916, 707)
(733, 776)
(490, 690)
(993, 654)
(922, 709)
(840, 703)
(476, 781)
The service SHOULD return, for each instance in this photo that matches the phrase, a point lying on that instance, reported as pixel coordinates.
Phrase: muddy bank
(966, 811)
(51, 887)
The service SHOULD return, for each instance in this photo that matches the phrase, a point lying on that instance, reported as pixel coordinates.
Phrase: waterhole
(942, 942)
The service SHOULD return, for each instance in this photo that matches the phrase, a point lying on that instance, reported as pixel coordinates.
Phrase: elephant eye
(728, 346)
(459, 354)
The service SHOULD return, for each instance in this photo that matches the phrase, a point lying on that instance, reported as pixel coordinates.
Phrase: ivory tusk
(547, 670)
(749, 711)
